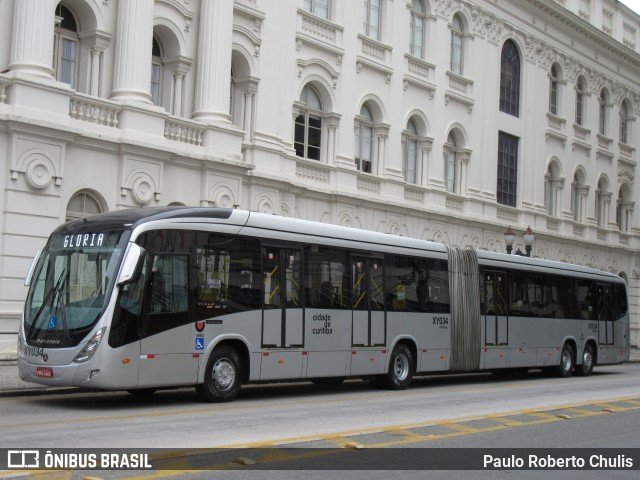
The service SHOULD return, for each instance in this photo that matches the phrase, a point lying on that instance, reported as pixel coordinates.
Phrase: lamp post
(509, 238)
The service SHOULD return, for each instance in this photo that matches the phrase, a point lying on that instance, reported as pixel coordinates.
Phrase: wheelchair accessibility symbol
(199, 343)
(53, 323)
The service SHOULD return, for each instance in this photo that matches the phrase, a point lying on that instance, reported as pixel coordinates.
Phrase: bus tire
(567, 362)
(588, 361)
(400, 372)
(222, 376)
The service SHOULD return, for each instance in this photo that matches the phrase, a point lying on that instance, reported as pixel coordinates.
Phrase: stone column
(96, 52)
(381, 133)
(32, 37)
(133, 46)
(332, 122)
(247, 121)
(178, 76)
(213, 75)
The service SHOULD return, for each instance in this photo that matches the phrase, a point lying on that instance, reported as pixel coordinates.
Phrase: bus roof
(297, 230)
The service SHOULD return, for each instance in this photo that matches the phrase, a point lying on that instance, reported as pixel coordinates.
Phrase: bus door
(166, 329)
(604, 309)
(496, 321)
(368, 302)
(282, 314)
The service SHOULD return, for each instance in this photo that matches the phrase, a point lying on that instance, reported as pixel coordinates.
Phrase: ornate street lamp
(509, 238)
(528, 238)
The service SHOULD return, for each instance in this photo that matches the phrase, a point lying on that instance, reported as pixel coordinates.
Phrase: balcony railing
(94, 110)
(182, 130)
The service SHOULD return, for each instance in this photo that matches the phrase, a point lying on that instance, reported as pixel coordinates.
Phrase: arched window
(579, 191)
(319, 8)
(552, 185)
(602, 203)
(156, 73)
(553, 90)
(457, 45)
(580, 93)
(410, 153)
(602, 105)
(624, 123)
(82, 204)
(308, 124)
(510, 79)
(65, 47)
(418, 23)
(371, 14)
(364, 140)
(451, 164)
(624, 208)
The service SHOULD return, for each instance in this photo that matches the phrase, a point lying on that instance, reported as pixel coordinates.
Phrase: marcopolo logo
(23, 459)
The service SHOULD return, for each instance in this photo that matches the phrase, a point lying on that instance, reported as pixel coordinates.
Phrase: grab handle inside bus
(132, 265)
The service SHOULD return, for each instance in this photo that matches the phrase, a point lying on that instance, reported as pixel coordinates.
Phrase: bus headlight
(90, 348)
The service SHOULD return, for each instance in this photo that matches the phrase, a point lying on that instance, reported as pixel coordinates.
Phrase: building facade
(446, 120)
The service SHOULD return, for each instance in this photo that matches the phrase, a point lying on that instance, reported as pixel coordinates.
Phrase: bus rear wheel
(222, 376)
(567, 362)
(400, 371)
(588, 362)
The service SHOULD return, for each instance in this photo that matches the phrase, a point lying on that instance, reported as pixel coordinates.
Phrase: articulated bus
(151, 298)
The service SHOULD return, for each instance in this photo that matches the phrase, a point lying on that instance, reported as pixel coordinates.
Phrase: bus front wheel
(567, 362)
(400, 368)
(222, 376)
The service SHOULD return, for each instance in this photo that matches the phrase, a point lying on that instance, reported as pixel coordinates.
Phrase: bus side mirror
(34, 262)
(132, 265)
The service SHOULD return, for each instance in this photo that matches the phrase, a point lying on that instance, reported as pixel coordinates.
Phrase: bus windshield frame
(71, 285)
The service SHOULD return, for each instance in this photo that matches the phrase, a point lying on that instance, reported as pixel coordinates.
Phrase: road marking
(405, 435)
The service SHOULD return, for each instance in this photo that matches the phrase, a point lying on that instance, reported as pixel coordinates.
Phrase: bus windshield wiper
(50, 293)
(62, 301)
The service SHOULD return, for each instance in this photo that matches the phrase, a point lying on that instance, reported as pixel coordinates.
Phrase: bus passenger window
(585, 294)
(326, 277)
(169, 284)
(227, 276)
(438, 286)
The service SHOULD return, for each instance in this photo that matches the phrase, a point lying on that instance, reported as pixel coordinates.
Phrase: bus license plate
(44, 372)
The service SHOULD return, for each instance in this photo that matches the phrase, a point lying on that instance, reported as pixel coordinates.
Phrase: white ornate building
(446, 120)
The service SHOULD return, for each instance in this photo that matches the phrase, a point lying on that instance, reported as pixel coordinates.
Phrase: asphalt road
(478, 412)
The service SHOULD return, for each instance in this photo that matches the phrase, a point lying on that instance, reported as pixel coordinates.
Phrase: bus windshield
(70, 286)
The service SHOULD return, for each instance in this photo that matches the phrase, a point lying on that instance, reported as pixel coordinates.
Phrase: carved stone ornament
(143, 188)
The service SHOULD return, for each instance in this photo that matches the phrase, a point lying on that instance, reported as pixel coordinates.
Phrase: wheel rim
(401, 367)
(566, 361)
(224, 374)
(587, 360)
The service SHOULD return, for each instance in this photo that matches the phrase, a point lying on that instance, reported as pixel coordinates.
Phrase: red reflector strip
(196, 355)
(147, 356)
